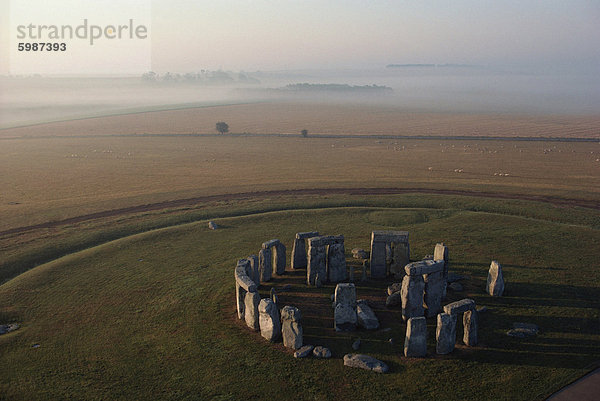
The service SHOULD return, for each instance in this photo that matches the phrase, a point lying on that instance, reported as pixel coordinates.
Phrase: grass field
(153, 315)
(56, 178)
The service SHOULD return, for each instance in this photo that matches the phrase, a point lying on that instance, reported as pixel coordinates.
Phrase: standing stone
(470, 323)
(345, 315)
(399, 259)
(378, 260)
(291, 329)
(366, 316)
(254, 269)
(345, 293)
(415, 343)
(243, 284)
(445, 333)
(241, 299)
(351, 274)
(265, 261)
(251, 314)
(279, 257)
(441, 253)
(412, 296)
(495, 280)
(434, 291)
(365, 265)
(316, 263)
(269, 322)
(336, 263)
(395, 287)
(273, 296)
(394, 300)
(299, 254)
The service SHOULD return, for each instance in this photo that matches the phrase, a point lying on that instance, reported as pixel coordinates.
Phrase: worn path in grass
(317, 191)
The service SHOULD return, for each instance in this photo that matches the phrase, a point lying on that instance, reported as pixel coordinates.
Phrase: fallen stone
(356, 345)
(456, 287)
(321, 352)
(365, 362)
(526, 326)
(304, 351)
(345, 317)
(495, 280)
(7, 328)
(269, 322)
(415, 343)
(523, 330)
(366, 317)
(394, 300)
(459, 306)
(212, 225)
(358, 253)
(396, 287)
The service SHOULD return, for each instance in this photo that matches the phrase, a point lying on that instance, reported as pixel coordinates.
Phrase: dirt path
(317, 191)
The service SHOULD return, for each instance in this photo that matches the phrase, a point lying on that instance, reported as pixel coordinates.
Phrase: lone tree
(304, 133)
(222, 127)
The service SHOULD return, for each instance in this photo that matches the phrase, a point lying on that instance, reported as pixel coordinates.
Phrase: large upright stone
(265, 264)
(291, 329)
(378, 260)
(270, 325)
(243, 284)
(251, 314)
(345, 317)
(415, 343)
(254, 268)
(470, 323)
(317, 263)
(400, 259)
(336, 263)
(441, 253)
(495, 280)
(345, 293)
(445, 333)
(299, 255)
(412, 296)
(434, 291)
(399, 252)
(279, 251)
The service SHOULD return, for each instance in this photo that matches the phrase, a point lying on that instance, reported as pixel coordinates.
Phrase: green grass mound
(152, 316)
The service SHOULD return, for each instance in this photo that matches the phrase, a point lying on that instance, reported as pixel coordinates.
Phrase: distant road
(317, 191)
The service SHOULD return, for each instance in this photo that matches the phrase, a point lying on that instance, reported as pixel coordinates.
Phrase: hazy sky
(188, 35)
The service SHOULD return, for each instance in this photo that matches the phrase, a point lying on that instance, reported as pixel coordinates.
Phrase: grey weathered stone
(307, 235)
(336, 263)
(270, 243)
(459, 306)
(321, 352)
(399, 258)
(470, 323)
(291, 330)
(279, 252)
(433, 293)
(396, 287)
(269, 322)
(251, 314)
(7, 328)
(243, 284)
(441, 253)
(495, 280)
(365, 266)
(383, 254)
(317, 261)
(424, 267)
(299, 256)
(345, 293)
(265, 264)
(366, 317)
(445, 333)
(358, 253)
(212, 225)
(304, 351)
(351, 274)
(345, 317)
(523, 330)
(356, 344)
(412, 296)
(456, 287)
(365, 362)
(415, 343)
(254, 268)
(394, 300)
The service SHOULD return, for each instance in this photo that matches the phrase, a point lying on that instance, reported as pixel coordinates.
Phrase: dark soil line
(317, 191)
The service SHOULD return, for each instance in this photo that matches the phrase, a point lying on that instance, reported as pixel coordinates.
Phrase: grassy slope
(153, 315)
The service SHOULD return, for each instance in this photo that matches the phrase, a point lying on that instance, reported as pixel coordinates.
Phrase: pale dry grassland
(46, 179)
(321, 118)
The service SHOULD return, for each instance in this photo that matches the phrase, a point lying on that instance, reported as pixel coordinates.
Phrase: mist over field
(448, 89)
